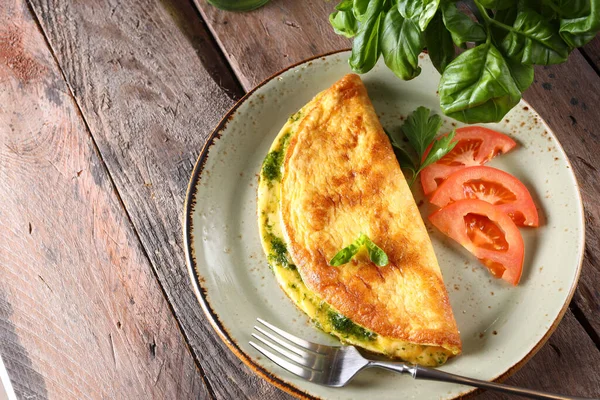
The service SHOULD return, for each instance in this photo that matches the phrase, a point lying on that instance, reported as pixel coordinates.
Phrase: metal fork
(336, 366)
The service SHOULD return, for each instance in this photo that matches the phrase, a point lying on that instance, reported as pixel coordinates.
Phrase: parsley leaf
(405, 159)
(376, 254)
(421, 128)
(440, 148)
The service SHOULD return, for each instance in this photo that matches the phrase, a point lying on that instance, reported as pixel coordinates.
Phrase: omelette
(330, 176)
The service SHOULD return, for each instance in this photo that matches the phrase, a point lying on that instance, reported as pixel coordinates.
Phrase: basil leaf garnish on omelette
(376, 255)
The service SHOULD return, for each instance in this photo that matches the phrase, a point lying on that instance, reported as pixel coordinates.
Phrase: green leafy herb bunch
(485, 50)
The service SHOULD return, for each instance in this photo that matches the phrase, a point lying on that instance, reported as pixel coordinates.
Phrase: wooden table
(104, 107)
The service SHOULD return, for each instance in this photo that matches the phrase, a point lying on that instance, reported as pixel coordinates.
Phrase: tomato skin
(476, 145)
(492, 185)
(452, 221)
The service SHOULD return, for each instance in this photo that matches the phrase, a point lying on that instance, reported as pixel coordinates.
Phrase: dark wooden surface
(287, 32)
(150, 101)
(81, 312)
(104, 107)
(592, 53)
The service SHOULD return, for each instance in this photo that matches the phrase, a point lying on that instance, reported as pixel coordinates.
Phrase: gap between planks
(233, 87)
(585, 324)
(586, 56)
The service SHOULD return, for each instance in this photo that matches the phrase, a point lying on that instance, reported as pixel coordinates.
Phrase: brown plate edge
(213, 318)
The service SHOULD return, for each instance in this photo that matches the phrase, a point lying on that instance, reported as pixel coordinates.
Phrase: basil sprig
(484, 49)
(376, 254)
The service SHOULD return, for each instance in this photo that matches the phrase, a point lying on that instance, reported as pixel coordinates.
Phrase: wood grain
(151, 86)
(565, 95)
(139, 71)
(273, 37)
(592, 53)
(81, 313)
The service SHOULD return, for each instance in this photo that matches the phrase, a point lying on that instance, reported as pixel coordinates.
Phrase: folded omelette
(330, 175)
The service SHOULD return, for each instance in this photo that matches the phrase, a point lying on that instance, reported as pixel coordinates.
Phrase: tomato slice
(487, 232)
(492, 185)
(475, 145)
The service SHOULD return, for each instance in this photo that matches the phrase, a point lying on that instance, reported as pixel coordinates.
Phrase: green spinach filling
(271, 169)
(345, 326)
(279, 254)
(295, 117)
(272, 165)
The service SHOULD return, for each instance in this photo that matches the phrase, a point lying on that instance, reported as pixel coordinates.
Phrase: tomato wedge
(492, 185)
(487, 232)
(475, 145)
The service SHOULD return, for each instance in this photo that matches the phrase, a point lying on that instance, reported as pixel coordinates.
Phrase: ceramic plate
(501, 326)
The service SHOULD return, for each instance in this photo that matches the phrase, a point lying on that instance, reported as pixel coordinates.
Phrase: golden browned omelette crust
(341, 178)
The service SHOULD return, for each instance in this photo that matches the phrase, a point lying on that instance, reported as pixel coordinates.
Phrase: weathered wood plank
(564, 95)
(139, 71)
(81, 313)
(151, 175)
(592, 53)
(274, 36)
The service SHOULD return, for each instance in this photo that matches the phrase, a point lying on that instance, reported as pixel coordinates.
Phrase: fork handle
(419, 372)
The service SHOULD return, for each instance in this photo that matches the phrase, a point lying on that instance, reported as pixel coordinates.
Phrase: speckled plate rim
(213, 318)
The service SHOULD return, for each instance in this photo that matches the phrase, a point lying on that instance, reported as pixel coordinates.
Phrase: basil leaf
(521, 73)
(345, 255)
(345, 5)
(497, 4)
(360, 9)
(462, 28)
(439, 43)
(376, 255)
(478, 86)
(429, 9)
(401, 44)
(534, 40)
(411, 9)
(505, 17)
(577, 32)
(343, 23)
(366, 49)
(571, 8)
(439, 149)
(420, 129)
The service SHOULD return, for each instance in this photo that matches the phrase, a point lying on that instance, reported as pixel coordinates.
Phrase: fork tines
(298, 356)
